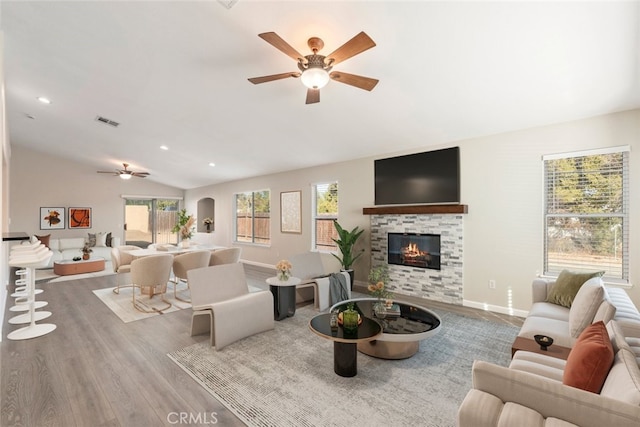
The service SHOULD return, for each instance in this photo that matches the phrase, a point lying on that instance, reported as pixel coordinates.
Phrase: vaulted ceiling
(175, 74)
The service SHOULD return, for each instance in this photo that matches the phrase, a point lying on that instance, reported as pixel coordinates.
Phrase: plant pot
(85, 256)
(351, 276)
(184, 244)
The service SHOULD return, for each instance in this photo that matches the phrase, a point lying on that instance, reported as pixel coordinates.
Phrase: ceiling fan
(315, 70)
(126, 173)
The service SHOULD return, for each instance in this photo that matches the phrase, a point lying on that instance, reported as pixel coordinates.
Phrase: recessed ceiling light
(164, 147)
(44, 100)
(212, 164)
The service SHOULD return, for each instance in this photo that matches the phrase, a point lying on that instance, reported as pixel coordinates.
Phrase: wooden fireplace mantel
(416, 209)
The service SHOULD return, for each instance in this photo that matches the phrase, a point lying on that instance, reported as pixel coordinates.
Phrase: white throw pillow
(101, 240)
(585, 305)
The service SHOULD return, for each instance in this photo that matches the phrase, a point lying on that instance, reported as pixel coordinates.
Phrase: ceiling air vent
(107, 121)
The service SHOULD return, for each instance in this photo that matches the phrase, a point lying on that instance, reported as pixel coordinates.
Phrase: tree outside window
(253, 217)
(586, 213)
(324, 212)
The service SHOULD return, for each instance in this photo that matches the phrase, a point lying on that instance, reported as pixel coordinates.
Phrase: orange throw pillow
(44, 239)
(590, 359)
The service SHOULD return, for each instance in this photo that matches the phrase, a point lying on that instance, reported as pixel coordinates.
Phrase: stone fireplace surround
(445, 285)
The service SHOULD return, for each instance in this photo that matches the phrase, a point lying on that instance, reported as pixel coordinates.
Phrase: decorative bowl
(544, 341)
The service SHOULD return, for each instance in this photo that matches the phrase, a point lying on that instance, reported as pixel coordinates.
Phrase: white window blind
(586, 212)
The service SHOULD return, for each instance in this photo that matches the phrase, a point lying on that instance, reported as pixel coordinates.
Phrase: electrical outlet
(492, 284)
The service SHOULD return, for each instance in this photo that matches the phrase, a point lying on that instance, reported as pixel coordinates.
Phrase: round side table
(284, 296)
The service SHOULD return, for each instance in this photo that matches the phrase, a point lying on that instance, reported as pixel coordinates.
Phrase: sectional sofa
(539, 390)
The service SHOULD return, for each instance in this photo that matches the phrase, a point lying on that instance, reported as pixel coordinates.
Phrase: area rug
(285, 377)
(122, 306)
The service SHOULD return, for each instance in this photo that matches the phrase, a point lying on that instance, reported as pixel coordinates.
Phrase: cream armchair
(185, 262)
(151, 274)
(121, 261)
(308, 267)
(223, 306)
(225, 256)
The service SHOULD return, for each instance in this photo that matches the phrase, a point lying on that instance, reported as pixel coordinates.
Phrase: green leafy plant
(184, 226)
(346, 241)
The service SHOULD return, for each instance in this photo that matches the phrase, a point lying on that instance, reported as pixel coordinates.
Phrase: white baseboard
(495, 308)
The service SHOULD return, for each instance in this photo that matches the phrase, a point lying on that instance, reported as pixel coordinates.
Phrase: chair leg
(175, 293)
(116, 290)
(144, 308)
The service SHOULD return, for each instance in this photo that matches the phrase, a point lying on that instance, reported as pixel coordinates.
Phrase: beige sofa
(592, 303)
(530, 392)
(68, 248)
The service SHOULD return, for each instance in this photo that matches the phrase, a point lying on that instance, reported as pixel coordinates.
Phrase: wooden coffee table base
(528, 344)
(68, 267)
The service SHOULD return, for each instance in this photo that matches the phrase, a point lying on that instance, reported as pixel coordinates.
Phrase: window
(586, 212)
(325, 210)
(253, 217)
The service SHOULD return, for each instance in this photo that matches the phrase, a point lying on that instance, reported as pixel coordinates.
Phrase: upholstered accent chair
(225, 256)
(185, 262)
(121, 261)
(309, 268)
(151, 274)
(223, 306)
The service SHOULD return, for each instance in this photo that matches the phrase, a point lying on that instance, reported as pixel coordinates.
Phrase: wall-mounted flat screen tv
(432, 177)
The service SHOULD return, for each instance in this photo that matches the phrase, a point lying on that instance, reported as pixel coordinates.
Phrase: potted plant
(346, 241)
(184, 226)
(208, 222)
(86, 250)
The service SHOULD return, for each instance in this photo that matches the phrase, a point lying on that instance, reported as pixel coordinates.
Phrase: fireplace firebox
(414, 250)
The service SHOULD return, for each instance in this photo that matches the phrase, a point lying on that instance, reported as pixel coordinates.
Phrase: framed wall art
(52, 219)
(79, 218)
(290, 207)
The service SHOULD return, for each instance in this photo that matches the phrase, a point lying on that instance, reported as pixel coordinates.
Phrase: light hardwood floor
(95, 370)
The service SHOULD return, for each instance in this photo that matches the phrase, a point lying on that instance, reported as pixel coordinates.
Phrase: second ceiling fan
(315, 69)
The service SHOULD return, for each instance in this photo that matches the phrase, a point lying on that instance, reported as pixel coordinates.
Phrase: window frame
(622, 217)
(253, 241)
(315, 217)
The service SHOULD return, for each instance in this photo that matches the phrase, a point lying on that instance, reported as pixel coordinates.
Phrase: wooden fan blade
(361, 82)
(356, 45)
(313, 96)
(140, 174)
(265, 79)
(276, 41)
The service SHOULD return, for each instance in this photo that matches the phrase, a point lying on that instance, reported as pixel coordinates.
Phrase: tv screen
(432, 177)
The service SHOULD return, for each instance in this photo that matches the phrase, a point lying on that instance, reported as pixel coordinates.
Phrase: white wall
(501, 183)
(39, 180)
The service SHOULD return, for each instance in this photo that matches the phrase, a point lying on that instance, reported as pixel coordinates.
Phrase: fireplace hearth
(414, 250)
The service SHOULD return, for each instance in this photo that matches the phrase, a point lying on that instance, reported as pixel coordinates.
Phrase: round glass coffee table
(403, 327)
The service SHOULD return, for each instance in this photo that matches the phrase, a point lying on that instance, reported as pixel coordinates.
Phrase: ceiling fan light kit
(126, 173)
(315, 69)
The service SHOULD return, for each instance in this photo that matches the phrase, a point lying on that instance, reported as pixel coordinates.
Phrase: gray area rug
(285, 377)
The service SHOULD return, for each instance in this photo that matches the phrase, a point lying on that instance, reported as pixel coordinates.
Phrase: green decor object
(346, 240)
(184, 226)
(567, 286)
(350, 319)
